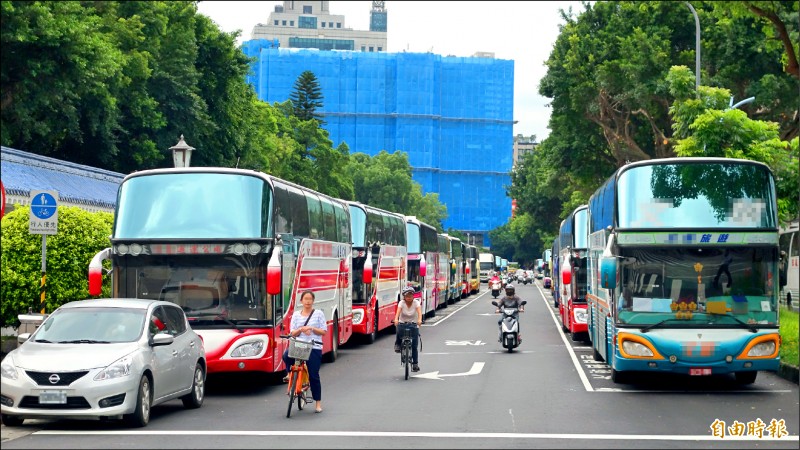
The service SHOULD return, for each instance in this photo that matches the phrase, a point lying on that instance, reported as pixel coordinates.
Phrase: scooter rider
(511, 300)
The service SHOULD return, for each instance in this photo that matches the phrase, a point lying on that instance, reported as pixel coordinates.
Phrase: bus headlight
(248, 349)
(580, 315)
(762, 349)
(636, 349)
(358, 316)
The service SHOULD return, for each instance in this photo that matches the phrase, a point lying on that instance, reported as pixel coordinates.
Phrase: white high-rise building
(307, 24)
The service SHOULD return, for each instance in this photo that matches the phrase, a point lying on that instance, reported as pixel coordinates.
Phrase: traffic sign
(43, 216)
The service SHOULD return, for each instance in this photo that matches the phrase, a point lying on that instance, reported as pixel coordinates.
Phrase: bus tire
(374, 335)
(619, 377)
(596, 355)
(334, 353)
(746, 377)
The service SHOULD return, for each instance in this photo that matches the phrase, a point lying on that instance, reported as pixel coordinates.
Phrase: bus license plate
(700, 371)
(53, 398)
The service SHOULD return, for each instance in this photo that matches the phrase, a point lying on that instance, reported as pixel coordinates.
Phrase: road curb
(789, 372)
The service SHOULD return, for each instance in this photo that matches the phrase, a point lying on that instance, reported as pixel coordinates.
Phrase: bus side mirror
(274, 273)
(95, 282)
(566, 275)
(423, 266)
(367, 276)
(608, 273)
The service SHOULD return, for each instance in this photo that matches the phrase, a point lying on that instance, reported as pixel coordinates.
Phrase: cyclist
(409, 311)
(309, 324)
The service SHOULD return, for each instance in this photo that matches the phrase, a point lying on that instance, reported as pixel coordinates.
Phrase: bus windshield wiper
(750, 327)
(216, 317)
(657, 324)
(84, 341)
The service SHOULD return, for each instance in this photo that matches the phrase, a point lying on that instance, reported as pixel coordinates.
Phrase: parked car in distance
(104, 359)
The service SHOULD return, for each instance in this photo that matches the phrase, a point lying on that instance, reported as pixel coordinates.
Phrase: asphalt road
(470, 393)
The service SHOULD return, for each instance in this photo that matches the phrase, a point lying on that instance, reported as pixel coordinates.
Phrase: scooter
(509, 327)
(496, 286)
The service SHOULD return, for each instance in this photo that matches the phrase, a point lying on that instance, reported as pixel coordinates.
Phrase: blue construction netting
(452, 115)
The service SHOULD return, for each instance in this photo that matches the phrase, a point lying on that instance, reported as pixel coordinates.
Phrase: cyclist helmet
(408, 290)
(509, 289)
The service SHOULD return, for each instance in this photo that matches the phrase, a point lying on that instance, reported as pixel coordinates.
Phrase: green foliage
(384, 181)
(80, 236)
(306, 97)
(789, 337)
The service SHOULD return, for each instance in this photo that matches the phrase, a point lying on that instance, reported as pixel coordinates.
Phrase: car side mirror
(162, 339)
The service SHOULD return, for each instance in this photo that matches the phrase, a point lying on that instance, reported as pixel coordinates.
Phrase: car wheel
(141, 415)
(194, 399)
(12, 421)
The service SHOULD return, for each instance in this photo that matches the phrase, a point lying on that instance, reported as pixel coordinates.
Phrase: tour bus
(486, 261)
(456, 258)
(443, 270)
(498, 262)
(474, 280)
(557, 264)
(464, 270)
(790, 266)
(378, 267)
(234, 248)
(573, 250)
(683, 259)
(547, 261)
(422, 247)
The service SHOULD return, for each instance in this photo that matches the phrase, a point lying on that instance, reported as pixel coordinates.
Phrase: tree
(81, 234)
(384, 181)
(307, 97)
(706, 126)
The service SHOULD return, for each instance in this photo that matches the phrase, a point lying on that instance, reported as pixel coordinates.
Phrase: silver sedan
(104, 359)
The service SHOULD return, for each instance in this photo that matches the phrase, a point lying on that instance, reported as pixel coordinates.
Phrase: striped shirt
(317, 321)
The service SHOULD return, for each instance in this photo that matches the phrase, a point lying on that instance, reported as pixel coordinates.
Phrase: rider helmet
(509, 289)
(408, 290)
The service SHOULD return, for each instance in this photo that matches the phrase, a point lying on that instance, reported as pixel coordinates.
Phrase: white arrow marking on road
(478, 342)
(476, 369)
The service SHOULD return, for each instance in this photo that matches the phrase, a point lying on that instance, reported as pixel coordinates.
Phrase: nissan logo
(54, 378)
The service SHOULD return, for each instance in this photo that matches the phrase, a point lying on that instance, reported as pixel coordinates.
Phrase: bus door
(288, 247)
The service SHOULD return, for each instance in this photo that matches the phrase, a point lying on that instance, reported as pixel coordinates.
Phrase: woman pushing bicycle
(409, 311)
(307, 324)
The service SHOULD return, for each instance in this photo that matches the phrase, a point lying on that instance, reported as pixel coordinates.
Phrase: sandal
(318, 410)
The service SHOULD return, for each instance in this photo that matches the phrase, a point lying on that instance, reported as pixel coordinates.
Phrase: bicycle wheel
(292, 392)
(407, 357)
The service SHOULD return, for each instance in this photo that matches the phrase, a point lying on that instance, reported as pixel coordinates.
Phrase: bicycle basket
(300, 349)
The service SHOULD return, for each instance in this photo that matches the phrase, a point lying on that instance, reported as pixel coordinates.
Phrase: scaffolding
(451, 115)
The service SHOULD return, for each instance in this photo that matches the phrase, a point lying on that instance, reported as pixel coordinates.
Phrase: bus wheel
(745, 377)
(372, 336)
(334, 353)
(596, 355)
(619, 377)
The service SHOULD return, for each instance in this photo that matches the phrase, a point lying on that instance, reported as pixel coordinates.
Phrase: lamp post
(181, 154)
(696, 47)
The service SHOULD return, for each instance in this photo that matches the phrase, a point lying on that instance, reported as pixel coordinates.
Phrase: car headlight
(580, 315)
(247, 349)
(636, 349)
(763, 349)
(119, 368)
(8, 369)
(358, 316)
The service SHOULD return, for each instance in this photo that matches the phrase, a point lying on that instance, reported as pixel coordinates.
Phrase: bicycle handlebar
(286, 336)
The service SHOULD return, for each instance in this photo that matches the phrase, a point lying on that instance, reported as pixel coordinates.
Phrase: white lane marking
(474, 370)
(312, 433)
(584, 379)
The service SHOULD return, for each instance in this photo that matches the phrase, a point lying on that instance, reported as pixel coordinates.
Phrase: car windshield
(92, 325)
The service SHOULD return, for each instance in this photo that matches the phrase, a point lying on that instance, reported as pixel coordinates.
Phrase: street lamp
(696, 47)
(181, 154)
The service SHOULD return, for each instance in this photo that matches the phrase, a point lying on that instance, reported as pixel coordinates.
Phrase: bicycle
(405, 345)
(299, 387)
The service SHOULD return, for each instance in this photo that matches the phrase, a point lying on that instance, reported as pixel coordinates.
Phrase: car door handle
(175, 353)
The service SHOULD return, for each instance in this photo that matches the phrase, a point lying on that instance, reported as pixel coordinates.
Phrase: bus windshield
(706, 287)
(697, 195)
(413, 236)
(193, 205)
(211, 289)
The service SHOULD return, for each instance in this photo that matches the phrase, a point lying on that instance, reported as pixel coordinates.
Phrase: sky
(520, 31)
